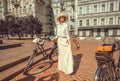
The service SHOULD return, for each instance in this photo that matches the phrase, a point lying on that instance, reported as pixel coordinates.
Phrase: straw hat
(62, 15)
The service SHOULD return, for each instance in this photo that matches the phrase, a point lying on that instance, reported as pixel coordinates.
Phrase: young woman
(65, 57)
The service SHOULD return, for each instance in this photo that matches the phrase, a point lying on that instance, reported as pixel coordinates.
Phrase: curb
(6, 46)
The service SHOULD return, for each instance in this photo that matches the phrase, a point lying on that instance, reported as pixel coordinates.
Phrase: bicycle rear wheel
(104, 73)
(30, 61)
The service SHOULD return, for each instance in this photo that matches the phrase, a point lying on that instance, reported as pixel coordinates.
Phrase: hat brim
(62, 15)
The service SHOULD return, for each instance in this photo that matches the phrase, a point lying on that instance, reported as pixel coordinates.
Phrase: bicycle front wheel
(104, 73)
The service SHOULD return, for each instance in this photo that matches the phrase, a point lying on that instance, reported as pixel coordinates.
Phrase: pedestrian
(65, 57)
(75, 41)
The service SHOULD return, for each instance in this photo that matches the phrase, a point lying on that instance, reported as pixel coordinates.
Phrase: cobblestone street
(84, 66)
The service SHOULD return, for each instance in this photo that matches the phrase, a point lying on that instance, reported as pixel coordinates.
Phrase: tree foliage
(20, 26)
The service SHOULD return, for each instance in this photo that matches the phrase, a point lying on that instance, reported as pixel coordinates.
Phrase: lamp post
(61, 6)
(76, 17)
(74, 4)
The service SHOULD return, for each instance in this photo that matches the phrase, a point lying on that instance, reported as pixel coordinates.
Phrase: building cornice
(105, 14)
(98, 27)
(81, 3)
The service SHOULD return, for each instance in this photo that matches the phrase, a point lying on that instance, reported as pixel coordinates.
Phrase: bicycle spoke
(103, 74)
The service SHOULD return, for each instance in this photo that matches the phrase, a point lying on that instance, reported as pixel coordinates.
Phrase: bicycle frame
(35, 52)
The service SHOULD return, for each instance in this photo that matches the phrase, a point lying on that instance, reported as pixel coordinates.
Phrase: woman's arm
(56, 37)
(67, 34)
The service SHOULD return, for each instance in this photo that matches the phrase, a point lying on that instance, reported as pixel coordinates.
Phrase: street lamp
(74, 4)
(62, 4)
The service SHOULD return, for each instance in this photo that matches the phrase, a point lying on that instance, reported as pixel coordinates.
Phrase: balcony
(7, 14)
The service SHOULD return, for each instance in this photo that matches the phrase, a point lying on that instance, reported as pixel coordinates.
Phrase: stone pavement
(84, 66)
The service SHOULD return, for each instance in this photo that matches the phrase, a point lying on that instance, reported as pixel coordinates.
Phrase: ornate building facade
(1, 10)
(95, 17)
(38, 8)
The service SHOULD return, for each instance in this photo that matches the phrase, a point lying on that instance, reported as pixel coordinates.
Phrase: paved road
(84, 66)
(26, 48)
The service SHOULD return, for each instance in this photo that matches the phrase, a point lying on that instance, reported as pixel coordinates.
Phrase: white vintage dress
(65, 57)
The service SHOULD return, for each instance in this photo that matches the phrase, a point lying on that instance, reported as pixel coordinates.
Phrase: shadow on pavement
(28, 78)
(77, 60)
(39, 68)
(51, 77)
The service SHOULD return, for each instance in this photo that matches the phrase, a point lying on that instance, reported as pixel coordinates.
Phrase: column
(102, 33)
(76, 17)
(110, 32)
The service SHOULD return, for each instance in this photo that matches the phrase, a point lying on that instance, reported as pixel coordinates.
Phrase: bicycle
(39, 43)
(107, 70)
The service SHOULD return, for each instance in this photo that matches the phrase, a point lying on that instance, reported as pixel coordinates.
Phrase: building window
(56, 11)
(103, 7)
(80, 22)
(111, 21)
(24, 9)
(80, 10)
(111, 7)
(95, 8)
(87, 9)
(118, 20)
(95, 22)
(16, 10)
(87, 22)
(20, 9)
(0, 11)
(9, 10)
(13, 10)
(30, 7)
(8, 1)
(103, 21)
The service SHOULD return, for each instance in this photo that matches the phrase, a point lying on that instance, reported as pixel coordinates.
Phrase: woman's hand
(54, 39)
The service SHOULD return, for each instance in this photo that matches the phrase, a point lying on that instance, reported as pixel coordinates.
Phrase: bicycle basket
(38, 41)
(103, 56)
(107, 48)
